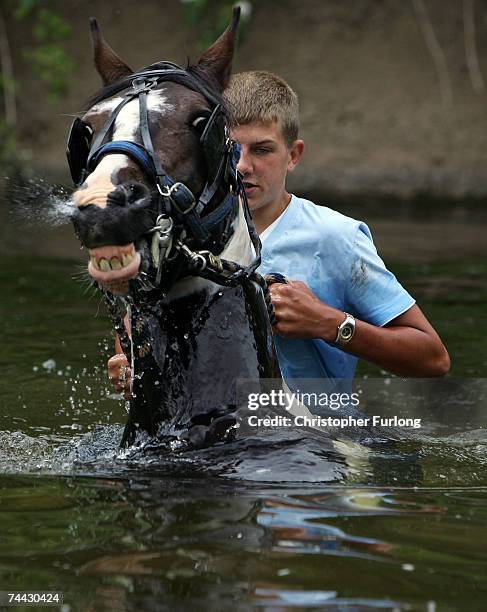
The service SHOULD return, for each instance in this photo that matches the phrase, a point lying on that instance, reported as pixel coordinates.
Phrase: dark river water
(404, 526)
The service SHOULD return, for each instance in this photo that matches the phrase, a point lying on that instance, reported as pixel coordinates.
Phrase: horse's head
(154, 166)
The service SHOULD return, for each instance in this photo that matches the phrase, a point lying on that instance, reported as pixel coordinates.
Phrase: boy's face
(265, 160)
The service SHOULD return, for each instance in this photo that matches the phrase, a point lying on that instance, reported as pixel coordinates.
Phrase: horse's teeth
(114, 263)
(127, 258)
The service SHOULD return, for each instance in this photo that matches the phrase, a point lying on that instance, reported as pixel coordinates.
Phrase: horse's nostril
(135, 191)
(127, 193)
(118, 197)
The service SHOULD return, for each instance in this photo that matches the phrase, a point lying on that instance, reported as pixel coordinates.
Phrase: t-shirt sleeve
(373, 293)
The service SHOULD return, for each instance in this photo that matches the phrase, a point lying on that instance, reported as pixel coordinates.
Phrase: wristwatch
(345, 330)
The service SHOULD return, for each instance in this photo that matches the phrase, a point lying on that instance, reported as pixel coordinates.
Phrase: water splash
(37, 202)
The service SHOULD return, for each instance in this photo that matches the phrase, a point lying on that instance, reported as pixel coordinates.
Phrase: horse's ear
(110, 67)
(217, 60)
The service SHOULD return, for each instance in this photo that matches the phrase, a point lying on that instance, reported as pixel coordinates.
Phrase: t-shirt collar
(268, 230)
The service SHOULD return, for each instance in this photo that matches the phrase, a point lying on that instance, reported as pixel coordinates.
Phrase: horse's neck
(190, 353)
(198, 341)
(238, 249)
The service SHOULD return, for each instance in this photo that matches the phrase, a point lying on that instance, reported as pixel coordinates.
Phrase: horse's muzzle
(110, 234)
(122, 221)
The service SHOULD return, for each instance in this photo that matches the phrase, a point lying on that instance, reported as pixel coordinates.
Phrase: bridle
(176, 202)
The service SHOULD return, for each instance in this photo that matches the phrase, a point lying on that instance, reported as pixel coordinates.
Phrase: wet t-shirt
(336, 257)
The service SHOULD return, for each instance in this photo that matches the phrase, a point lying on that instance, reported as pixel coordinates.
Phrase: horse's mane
(196, 78)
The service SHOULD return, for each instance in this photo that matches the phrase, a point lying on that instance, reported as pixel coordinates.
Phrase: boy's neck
(266, 215)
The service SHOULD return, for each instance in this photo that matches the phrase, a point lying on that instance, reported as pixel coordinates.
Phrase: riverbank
(380, 119)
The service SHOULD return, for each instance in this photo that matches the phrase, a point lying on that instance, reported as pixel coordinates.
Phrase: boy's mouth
(250, 188)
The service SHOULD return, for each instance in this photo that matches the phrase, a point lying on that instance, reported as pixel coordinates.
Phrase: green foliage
(23, 8)
(48, 59)
(50, 27)
(52, 66)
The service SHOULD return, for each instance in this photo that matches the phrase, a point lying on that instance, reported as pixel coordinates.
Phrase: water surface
(403, 528)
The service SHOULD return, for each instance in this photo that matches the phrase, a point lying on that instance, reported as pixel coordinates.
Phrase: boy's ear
(296, 151)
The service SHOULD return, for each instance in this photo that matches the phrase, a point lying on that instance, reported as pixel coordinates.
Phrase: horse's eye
(200, 122)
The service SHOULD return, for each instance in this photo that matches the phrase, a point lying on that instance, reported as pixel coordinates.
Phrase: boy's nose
(244, 163)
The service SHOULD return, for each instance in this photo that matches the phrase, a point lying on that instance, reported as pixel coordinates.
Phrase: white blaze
(99, 183)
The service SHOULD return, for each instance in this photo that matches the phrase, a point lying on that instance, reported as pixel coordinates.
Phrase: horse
(162, 211)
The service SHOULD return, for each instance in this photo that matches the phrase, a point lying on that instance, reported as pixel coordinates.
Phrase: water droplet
(49, 365)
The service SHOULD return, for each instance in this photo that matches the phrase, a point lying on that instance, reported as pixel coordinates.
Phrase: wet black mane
(195, 78)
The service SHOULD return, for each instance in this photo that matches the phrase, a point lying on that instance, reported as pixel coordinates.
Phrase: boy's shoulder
(325, 219)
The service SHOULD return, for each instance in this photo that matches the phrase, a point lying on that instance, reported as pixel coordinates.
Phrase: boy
(332, 257)
(342, 302)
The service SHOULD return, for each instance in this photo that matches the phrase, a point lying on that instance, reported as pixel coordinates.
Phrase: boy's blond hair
(263, 96)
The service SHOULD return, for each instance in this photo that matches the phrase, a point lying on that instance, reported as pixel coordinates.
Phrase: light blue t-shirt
(335, 256)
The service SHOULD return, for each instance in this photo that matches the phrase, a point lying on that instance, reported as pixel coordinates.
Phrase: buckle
(182, 198)
(141, 84)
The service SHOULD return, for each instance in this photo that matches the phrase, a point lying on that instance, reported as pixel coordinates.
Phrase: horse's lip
(125, 258)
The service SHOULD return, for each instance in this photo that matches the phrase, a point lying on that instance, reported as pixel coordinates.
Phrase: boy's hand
(300, 314)
(120, 374)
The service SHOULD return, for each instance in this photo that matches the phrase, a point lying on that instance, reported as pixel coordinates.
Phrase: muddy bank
(390, 106)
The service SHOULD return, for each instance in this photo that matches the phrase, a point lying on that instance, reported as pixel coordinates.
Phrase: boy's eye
(263, 150)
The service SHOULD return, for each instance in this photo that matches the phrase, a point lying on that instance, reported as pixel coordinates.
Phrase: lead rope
(229, 274)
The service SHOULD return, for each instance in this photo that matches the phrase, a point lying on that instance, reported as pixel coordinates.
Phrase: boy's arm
(407, 346)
